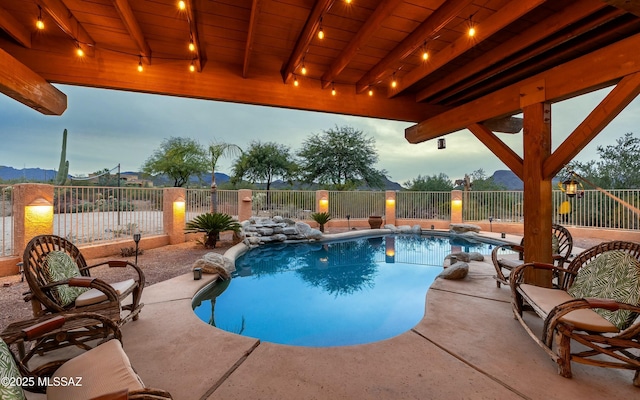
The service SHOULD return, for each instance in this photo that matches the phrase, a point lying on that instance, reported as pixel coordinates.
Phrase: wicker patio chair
(104, 371)
(562, 246)
(60, 281)
(596, 304)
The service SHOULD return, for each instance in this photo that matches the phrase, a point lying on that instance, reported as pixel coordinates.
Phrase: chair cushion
(612, 275)
(60, 266)
(104, 369)
(95, 296)
(584, 319)
(8, 369)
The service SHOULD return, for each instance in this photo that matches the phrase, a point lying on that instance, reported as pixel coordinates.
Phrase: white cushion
(104, 369)
(95, 296)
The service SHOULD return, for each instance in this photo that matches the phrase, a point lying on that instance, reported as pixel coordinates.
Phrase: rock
(462, 228)
(290, 230)
(314, 234)
(279, 237)
(460, 255)
(416, 229)
(404, 229)
(475, 256)
(457, 271)
(303, 228)
(253, 240)
(265, 231)
(391, 227)
(277, 219)
(214, 263)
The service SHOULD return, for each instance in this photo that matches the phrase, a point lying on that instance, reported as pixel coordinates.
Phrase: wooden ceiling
(253, 51)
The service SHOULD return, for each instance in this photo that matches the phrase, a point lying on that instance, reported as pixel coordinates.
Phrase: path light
(136, 238)
(490, 226)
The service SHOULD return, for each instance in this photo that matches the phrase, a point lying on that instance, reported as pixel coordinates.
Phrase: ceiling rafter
(598, 69)
(503, 17)
(537, 33)
(629, 6)
(253, 22)
(69, 24)
(428, 29)
(14, 28)
(201, 57)
(133, 27)
(305, 38)
(384, 10)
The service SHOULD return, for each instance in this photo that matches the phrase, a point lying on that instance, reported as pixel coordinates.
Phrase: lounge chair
(562, 244)
(596, 304)
(60, 281)
(103, 372)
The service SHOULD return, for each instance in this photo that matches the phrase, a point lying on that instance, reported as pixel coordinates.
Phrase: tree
(179, 158)
(217, 150)
(342, 157)
(263, 163)
(618, 166)
(480, 182)
(434, 183)
(212, 224)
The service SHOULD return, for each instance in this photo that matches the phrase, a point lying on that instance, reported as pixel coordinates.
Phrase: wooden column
(537, 190)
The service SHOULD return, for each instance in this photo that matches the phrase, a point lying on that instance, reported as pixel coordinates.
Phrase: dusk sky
(108, 127)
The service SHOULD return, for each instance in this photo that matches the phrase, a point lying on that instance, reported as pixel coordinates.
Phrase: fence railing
(503, 206)
(199, 202)
(295, 204)
(423, 205)
(595, 209)
(6, 221)
(357, 205)
(97, 214)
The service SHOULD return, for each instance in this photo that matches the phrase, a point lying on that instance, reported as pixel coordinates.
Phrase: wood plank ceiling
(254, 51)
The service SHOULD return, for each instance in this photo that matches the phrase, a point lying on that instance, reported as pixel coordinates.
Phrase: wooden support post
(537, 190)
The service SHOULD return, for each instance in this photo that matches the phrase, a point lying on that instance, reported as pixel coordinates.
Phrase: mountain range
(503, 177)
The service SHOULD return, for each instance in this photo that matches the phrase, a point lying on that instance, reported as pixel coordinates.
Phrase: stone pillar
(32, 213)
(244, 204)
(322, 201)
(173, 212)
(390, 207)
(456, 206)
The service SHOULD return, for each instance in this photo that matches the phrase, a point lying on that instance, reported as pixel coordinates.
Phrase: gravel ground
(157, 264)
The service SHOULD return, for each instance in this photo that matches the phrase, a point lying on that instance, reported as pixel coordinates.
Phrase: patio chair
(103, 372)
(60, 281)
(596, 304)
(562, 244)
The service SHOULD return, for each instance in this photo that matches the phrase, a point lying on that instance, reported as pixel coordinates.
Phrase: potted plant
(375, 221)
(212, 224)
(321, 218)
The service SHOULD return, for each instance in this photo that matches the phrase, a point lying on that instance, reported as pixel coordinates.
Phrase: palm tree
(321, 218)
(212, 224)
(217, 150)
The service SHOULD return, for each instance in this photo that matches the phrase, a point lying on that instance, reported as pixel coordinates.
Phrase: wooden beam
(69, 24)
(24, 85)
(601, 68)
(253, 22)
(14, 28)
(133, 27)
(500, 19)
(384, 10)
(503, 55)
(504, 125)
(537, 191)
(201, 56)
(428, 29)
(627, 5)
(497, 146)
(305, 38)
(620, 97)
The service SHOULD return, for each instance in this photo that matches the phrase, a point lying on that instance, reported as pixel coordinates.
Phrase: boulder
(463, 228)
(313, 234)
(457, 271)
(404, 229)
(279, 237)
(214, 263)
(417, 229)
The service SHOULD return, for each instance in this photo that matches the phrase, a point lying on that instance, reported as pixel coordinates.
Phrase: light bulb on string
(140, 67)
(295, 81)
(303, 70)
(320, 31)
(425, 53)
(192, 46)
(79, 51)
(394, 83)
(370, 92)
(182, 5)
(333, 89)
(472, 29)
(192, 67)
(39, 23)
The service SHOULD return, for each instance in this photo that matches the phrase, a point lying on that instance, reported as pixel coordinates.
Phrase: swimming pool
(332, 294)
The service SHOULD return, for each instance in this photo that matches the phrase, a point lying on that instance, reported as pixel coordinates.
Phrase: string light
(295, 81)
(370, 92)
(333, 89)
(192, 66)
(182, 5)
(79, 51)
(320, 31)
(303, 70)
(347, 1)
(394, 83)
(472, 28)
(192, 46)
(425, 53)
(140, 68)
(39, 23)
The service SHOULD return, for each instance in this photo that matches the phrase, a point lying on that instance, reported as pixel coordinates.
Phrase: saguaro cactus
(63, 168)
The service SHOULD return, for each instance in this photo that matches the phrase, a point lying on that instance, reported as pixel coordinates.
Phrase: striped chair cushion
(8, 370)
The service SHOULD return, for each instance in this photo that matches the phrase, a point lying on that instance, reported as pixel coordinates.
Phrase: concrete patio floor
(468, 346)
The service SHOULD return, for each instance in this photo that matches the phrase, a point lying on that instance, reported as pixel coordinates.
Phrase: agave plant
(212, 224)
(321, 218)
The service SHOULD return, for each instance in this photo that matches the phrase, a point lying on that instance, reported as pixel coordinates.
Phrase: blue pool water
(334, 294)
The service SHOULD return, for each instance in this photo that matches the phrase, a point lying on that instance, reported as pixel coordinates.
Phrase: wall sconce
(179, 207)
(391, 201)
(38, 217)
(324, 204)
(442, 144)
(247, 199)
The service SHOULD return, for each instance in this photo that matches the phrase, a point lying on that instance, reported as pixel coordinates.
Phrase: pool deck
(468, 346)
